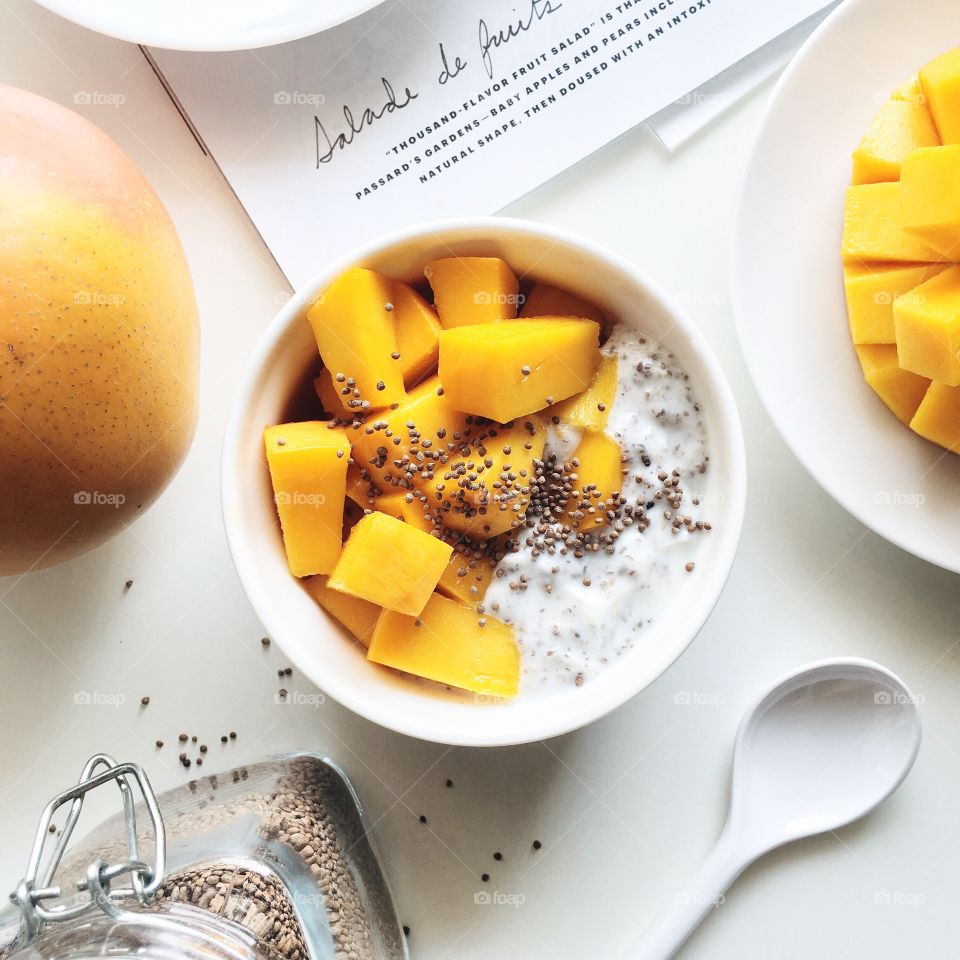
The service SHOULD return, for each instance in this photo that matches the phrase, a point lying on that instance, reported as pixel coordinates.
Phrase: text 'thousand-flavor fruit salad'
(493, 502)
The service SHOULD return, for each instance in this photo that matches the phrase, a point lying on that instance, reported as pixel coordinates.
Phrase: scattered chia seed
(144, 701)
(537, 844)
(265, 641)
(423, 819)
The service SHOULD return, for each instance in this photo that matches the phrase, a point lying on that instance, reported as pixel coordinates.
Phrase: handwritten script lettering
(493, 40)
(327, 145)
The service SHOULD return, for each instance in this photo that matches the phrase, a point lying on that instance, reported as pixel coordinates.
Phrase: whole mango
(99, 338)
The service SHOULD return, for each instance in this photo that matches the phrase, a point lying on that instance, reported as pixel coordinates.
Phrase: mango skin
(99, 339)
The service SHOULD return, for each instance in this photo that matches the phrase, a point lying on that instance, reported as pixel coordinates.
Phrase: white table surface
(626, 808)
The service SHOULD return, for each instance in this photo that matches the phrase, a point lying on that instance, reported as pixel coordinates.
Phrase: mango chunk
(899, 127)
(308, 469)
(334, 402)
(390, 563)
(590, 410)
(470, 290)
(927, 325)
(486, 483)
(412, 511)
(418, 333)
(404, 440)
(356, 335)
(450, 646)
(546, 301)
(899, 389)
(508, 370)
(467, 576)
(871, 290)
(872, 231)
(357, 616)
(930, 198)
(599, 480)
(938, 417)
(428, 447)
(940, 82)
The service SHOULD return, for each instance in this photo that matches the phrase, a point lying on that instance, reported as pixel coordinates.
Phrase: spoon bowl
(822, 748)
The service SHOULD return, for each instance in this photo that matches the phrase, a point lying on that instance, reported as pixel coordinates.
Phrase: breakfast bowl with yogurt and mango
(483, 482)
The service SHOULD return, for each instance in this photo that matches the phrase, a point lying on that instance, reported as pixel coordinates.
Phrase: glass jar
(268, 861)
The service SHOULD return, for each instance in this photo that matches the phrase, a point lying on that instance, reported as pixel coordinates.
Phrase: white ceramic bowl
(316, 644)
(210, 24)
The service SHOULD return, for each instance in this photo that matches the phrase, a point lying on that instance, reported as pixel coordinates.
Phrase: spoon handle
(702, 893)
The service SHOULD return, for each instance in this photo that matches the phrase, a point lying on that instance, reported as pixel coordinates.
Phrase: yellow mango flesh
(940, 82)
(508, 370)
(333, 401)
(418, 333)
(357, 616)
(467, 576)
(450, 646)
(546, 301)
(930, 198)
(899, 127)
(396, 505)
(356, 335)
(469, 290)
(390, 563)
(872, 231)
(899, 389)
(938, 417)
(442, 453)
(927, 325)
(871, 290)
(308, 469)
(486, 490)
(599, 478)
(590, 410)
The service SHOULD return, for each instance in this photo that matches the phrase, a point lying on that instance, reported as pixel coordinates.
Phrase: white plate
(788, 285)
(209, 24)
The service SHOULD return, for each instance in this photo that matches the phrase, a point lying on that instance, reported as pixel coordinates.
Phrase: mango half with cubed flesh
(508, 370)
(927, 326)
(899, 389)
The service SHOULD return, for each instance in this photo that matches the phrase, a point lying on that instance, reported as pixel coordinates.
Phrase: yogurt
(574, 617)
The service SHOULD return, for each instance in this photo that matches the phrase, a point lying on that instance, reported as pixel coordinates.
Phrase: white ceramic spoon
(821, 749)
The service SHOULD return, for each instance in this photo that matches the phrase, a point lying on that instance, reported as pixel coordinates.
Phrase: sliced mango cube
(470, 290)
(546, 301)
(599, 479)
(590, 410)
(356, 335)
(508, 370)
(432, 419)
(940, 81)
(484, 490)
(467, 576)
(308, 469)
(357, 616)
(452, 644)
(334, 402)
(872, 231)
(899, 389)
(418, 333)
(927, 324)
(930, 198)
(390, 563)
(938, 417)
(899, 127)
(410, 511)
(871, 290)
